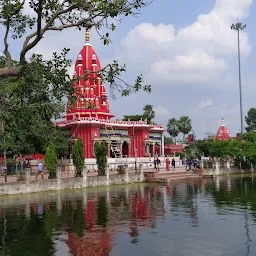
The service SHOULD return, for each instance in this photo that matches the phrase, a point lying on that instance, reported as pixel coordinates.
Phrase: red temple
(90, 119)
(223, 132)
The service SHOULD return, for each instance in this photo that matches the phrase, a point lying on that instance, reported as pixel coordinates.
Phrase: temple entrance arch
(151, 149)
(125, 149)
(157, 149)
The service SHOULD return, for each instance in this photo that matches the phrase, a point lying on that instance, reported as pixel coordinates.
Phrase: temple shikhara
(90, 118)
(223, 132)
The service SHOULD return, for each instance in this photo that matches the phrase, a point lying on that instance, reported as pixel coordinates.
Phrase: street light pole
(239, 27)
(134, 147)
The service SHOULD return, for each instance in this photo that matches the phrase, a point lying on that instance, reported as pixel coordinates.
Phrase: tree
(173, 128)
(133, 118)
(250, 120)
(184, 125)
(78, 156)
(51, 160)
(250, 136)
(29, 104)
(149, 113)
(101, 151)
(168, 140)
(50, 15)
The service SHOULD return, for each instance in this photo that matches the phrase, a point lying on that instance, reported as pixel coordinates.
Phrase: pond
(207, 217)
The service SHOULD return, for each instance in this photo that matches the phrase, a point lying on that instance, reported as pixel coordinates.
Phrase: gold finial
(87, 35)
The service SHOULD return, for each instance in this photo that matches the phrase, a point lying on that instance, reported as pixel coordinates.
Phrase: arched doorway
(125, 149)
(151, 151)
(157, 150)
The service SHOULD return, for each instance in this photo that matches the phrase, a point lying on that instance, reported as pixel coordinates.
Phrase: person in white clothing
(40, 170)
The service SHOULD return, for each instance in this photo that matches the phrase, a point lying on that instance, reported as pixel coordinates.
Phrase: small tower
(223, 132)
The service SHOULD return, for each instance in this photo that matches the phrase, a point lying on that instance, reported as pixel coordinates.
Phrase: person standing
(167, 164)
(158, 164)
(173, 164)
(194, 164)
(39, 170)
(155, 164)
(190, 164)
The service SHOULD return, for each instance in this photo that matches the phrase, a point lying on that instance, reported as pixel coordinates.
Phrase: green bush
(101, 151)
(51, 161)
(78, 156)
(180, 154)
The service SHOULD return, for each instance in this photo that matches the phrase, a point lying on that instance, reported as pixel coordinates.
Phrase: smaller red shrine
(170, 149)
(223, 132)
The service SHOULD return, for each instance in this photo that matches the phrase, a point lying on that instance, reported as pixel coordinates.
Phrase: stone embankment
(31, 185)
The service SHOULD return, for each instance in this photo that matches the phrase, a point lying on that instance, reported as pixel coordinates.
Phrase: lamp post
(194, 142)
(239, 26)
(134, 147)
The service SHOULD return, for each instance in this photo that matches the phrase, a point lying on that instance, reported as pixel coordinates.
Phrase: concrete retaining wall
(68, 183)
(215, 168)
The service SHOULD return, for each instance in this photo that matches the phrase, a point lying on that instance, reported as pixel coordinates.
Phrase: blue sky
(187, 51)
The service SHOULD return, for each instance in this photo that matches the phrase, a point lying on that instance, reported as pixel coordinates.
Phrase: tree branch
(76, 24)
(40, 32)
(6, 45)
(10, 71)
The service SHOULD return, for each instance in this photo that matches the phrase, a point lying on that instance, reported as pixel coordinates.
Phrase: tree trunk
(184, 137)
(10, 71)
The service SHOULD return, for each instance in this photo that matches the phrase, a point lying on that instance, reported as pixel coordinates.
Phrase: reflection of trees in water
(102, 212)
(243, 194)
(184, 197)
(96, 219)
(25, 236)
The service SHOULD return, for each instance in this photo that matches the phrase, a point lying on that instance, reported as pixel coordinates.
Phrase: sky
(186, 51)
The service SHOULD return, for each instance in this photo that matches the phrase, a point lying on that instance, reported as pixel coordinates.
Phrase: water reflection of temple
(91, 222)
(105, 219)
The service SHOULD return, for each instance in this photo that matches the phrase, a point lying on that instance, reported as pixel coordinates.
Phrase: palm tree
(185, 125)
(173, 128)
(149, 113)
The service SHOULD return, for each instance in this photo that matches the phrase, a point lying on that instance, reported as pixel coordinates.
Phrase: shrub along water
(100, 151)
(78, 156)
(51, 161)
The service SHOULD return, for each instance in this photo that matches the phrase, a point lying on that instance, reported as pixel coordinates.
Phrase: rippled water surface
(208, 218)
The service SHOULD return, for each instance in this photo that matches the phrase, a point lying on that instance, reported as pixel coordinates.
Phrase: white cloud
(205, 103)
(161, 111)
(195, 53)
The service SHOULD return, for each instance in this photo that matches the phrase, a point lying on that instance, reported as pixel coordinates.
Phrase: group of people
(192, 163)
(189, 163)
(167, 162)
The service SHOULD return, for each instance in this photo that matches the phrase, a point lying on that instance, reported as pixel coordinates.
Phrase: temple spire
(87, 35)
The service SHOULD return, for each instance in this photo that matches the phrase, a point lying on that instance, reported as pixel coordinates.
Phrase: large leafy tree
(250, 120)
(149, 113)
(31, 26)
(173, 128)
(184, 125)
(29, 104)
(32, 88)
